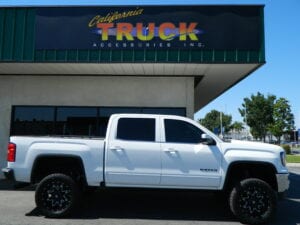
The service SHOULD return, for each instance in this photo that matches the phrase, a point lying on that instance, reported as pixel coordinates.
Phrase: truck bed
(90, 151)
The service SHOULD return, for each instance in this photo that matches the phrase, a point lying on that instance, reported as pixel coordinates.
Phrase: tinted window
(62, 120)
(165, 111)
(33, 121)
(76, 121)
(136, 129)
(182, 132)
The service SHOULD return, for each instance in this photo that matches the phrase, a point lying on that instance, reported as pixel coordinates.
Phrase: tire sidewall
(235, 204)
(74, 195)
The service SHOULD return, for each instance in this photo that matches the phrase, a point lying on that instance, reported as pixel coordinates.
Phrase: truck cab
(159, 151)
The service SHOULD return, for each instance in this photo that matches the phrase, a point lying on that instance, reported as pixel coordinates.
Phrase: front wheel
(253, 201)
(57, 195)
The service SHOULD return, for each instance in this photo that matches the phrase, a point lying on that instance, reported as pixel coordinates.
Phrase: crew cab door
(186, 162)
(133, 152)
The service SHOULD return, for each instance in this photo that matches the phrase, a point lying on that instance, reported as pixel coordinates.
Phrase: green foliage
(264, 114)
(237, 126)
(283, 119)
(293, 159)
(257, 112)
(212, 120)
(287, 149)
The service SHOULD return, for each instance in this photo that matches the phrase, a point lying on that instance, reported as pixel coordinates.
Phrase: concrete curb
(293, 164)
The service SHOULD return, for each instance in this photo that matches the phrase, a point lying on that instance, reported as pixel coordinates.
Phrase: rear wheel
(253, 201)
(57, 195)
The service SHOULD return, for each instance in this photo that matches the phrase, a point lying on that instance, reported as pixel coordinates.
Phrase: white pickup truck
(150, 151)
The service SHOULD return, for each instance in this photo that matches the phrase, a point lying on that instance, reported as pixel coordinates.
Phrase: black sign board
(149, 27)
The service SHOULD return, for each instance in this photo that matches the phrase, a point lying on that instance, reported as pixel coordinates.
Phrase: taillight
(11, 152)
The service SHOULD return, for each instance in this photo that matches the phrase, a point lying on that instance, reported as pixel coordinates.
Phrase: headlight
(283, 158)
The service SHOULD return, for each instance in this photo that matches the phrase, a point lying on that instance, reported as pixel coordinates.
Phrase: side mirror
(207, 140)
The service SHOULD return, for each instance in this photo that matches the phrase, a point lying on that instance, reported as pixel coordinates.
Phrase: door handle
(171, 151)
(117, 149)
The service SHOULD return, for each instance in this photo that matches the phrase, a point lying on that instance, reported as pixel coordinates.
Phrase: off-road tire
(253, 201)
(57, 195)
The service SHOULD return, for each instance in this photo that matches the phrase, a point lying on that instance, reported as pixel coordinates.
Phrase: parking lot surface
(130, 207)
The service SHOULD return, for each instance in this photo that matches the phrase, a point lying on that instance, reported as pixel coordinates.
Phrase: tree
(237, 126)
(236, 129)
(257, 112)
(283, 119)
(212, 121)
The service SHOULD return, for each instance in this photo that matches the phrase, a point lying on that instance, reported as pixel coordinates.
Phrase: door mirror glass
(207, 140)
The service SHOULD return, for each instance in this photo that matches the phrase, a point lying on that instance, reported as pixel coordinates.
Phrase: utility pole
(246, 122)
(221, 125)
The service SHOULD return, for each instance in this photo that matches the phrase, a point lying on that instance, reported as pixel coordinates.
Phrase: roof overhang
(218, 78)
(211, 80)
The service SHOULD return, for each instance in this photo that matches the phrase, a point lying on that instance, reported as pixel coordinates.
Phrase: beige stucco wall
(90, 91)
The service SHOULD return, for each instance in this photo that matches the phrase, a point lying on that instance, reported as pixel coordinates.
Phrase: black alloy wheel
(253, 201)
(57, 195)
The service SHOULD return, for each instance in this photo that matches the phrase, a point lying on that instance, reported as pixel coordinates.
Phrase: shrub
(287, 149)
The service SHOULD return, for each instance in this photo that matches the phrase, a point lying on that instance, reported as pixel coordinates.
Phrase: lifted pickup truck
(150, 151)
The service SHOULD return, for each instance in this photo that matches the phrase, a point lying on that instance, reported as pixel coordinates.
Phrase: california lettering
(111, 17)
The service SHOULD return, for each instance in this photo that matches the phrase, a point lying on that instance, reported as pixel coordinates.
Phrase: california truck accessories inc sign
(149, 27)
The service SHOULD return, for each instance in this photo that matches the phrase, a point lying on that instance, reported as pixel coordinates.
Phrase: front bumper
(283, 182)
(9, 174)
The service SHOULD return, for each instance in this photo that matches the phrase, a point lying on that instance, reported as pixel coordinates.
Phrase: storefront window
(73, 121)
(106, 112)
(165, 111)
(76, 121)
(33, 121)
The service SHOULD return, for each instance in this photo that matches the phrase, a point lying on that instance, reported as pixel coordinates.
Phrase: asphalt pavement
(142, 207)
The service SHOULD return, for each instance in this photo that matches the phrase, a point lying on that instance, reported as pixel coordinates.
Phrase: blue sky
(279, 76)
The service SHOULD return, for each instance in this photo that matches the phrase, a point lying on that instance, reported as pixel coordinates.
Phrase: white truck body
(150, 164)
(150, 151)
